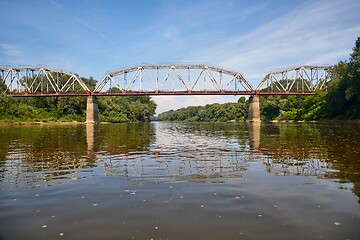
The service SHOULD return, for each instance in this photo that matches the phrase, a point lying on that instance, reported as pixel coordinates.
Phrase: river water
(180, 181)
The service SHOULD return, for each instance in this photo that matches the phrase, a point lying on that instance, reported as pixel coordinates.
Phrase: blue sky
(91, 37)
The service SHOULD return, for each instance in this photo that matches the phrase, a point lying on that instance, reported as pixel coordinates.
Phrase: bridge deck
(155, 93)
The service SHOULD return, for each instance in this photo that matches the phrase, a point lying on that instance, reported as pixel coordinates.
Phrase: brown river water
(180, 181)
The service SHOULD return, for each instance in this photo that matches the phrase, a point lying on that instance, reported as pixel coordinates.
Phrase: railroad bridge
(161, 79)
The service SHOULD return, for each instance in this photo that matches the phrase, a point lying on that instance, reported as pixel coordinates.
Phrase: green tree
(344, 88)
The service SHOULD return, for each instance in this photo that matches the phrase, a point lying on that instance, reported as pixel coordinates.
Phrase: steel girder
(40, 80)
(174, 78)
(301, 79)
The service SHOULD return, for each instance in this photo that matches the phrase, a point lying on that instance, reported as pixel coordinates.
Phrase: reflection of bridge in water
(199, 157)
(162, 79)
(156, 152)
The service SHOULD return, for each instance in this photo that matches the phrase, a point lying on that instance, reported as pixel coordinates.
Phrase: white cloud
(306, 34)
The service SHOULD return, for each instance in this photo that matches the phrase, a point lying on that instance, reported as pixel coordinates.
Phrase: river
(180, 181)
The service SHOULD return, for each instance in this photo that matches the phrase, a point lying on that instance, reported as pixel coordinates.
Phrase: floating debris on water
(94, 204)
(61, 234)
(337, 223)
(260, 215)
(44, 226)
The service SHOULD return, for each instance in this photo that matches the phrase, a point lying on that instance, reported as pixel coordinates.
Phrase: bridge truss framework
(162, 79)
(300, 79)
(41, 81)
(170, 79)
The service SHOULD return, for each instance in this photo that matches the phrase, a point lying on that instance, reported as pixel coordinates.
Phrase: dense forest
(342, 101)
(210, 113)
(68, 109)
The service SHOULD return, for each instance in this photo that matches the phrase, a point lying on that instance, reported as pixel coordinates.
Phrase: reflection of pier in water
(91, 133)
(254, 134)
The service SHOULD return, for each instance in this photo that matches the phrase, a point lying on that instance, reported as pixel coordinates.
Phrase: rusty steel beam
(157, 93)
(169, 93)
(284, 93)
(49, 94)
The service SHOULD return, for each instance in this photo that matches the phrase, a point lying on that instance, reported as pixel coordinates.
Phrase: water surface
(180, 181)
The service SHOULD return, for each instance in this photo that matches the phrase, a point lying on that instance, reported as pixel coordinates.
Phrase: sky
(92, 37)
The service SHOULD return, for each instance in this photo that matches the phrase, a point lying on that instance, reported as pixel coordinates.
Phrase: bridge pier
(254, 109)
(92, 110)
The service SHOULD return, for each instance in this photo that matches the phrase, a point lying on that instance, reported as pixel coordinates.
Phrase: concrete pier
(92, 110)
(254, 109)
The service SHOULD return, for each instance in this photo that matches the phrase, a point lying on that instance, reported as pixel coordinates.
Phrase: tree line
(341, 101)
(210, 113)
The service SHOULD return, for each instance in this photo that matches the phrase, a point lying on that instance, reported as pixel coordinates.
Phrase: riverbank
(233, 121)
(315, 121)
(38, 123)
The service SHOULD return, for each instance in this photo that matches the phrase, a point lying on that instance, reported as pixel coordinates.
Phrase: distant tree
(3, 86)
(242, 99)
(209, 113)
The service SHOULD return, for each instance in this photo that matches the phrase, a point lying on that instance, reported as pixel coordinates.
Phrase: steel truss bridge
(161, 79)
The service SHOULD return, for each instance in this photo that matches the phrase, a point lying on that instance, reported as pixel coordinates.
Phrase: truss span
(296, 80)
(41, 81)
(161, 79)
(166, 79)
